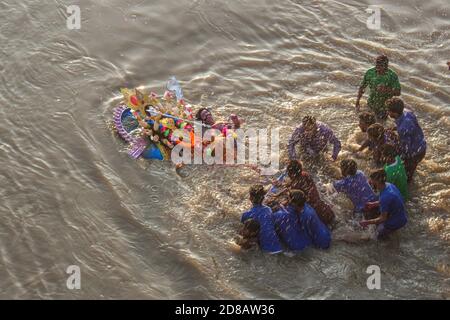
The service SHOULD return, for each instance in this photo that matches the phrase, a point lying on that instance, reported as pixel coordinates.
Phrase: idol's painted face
(207, 117)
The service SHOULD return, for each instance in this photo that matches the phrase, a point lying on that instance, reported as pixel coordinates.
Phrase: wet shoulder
(360, 176)
(390, 187)
(260, 213)
(305, 174)
(308, 212)
(390, 191)
(371, 72)
(265, 210)
(410, 116)
(249, 214)
(261, 210)
(348, 180)
(356, 180)
(408, 121)
(386, 191)
(323, 127)
(299, 129)
(280, 215)
(307, 177)
(392, 73)
(256, 210)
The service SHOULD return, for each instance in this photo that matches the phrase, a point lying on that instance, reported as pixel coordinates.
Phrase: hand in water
(329, 189)
(364, 224)
(276, 183)
(371, 205)
(358, 154)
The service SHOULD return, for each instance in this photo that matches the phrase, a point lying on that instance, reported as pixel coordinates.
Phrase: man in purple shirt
(313, 138)
(412, 141)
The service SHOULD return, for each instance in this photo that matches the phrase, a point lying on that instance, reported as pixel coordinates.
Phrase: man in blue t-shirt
(299, 226)
(412, 140)
(267, 237)
(392, 209)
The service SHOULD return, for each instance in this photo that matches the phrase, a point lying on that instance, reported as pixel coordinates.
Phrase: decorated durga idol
(154, 125)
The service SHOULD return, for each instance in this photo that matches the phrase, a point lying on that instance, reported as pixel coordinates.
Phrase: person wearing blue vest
(299, 226)
(267, 237)
(412, 140)
(392, 208)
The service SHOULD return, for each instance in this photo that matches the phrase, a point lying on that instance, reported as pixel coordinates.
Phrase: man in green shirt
(395, 169)
(383, 84)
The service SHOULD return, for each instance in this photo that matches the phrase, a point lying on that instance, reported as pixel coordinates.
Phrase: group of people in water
(291, 216)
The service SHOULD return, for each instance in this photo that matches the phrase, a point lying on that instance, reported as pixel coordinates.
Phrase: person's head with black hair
(249, 233)
(366, 119)
(309, 125)
(382, 64)
(250, 229)
(297, 199)
(205, 116)
(294, 169)
(348, 167)
(309, 120)
(378, 179)
(257, 194)
(395, 107)
(375, 132)
(388, 153)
